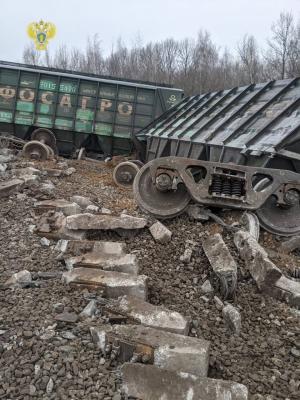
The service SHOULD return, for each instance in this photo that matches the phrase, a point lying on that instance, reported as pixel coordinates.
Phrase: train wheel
(124, 174)
(36, 150)
(162, 204)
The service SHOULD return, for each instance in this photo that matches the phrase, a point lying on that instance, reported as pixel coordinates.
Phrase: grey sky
(226, 20)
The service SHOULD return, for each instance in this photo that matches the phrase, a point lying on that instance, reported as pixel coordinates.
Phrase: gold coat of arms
(41, 32)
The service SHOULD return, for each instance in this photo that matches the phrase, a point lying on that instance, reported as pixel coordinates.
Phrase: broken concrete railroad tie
(148, 382)
(114, 284)
(104, 222)
(164, 349)
(108, 256)
(266, 274)
(149, 315)
(222, 263)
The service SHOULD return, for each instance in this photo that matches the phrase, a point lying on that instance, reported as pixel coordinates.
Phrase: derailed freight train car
(238, 148)
(101, 114)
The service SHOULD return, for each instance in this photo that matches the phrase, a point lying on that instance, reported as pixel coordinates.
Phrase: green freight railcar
(102, 114)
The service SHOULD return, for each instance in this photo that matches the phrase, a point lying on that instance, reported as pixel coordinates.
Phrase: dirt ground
(40, 360)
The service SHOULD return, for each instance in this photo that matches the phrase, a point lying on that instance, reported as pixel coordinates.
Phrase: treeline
(196, 65)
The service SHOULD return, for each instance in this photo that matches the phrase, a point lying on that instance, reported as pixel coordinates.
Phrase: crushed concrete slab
(10, 187)
(89, 310)
(285, 289)
(149, 382)
(66, 207)
(219, 256)
(53, 172)
(160, 232)
(28, 171)
(47, 188)
(197, 213)
(93, 209)
(127, 263)
(79, 247)
(67, 317)
(3, 168)
(30, 180)
(222, 263)
(218, 302)
(114, 284)
(232, 318)
(7, 157)
(163, 349)
(88, 221)
(45, 242)
(149, 315)
(263, 271)
(206, 287)
(108, 256)
(186, 256)
(54, 227)
(69, 171)
(20, 279)
(290, 244)
(190, 246)
(82, 201)
(250, 223)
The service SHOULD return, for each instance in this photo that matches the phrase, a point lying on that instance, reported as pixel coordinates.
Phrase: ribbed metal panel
(257, 125)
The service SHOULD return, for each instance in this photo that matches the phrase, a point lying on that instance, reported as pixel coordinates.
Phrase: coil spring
(226, 187)
(237, 188)
(295, 273)
(216, 185)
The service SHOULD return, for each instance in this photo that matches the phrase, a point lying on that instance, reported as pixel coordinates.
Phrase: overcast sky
(226, 20)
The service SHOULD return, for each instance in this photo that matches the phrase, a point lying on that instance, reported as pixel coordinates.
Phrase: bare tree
(31, 55)
(196, 65)
(93, 56)
(279, 50)
(249, 56)
(61, 58)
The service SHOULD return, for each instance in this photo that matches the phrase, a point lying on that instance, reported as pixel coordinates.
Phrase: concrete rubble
(150, 315)
(156, 322)
(250, 224)
(267, 275)
(108, 256)
(114, 284)
(149, 382)
(160, 233)
(263, 271)
(188, 252)
(7, 188)
(222, 263)
(82, 201)
(291, 244)
(66, 207)
(89, 310)
(164, 349)
(104, 222)
(53, 226)
(232, 318)
(20, 279)
(197, 213)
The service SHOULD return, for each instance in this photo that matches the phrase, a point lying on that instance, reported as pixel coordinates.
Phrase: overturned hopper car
(246, 141)
(101, 114)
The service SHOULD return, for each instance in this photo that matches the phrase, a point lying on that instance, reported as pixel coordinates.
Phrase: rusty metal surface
(204, 191)
(256, 125)
(164, 187)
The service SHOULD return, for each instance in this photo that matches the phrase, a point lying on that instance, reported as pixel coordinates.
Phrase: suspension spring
(295, 273)
(216, 186)
(237, 188)
(226, 187)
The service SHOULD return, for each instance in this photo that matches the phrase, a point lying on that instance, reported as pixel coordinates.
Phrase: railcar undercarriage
(165, 186)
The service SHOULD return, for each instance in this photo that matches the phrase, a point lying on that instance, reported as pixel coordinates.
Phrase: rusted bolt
(163, 182)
